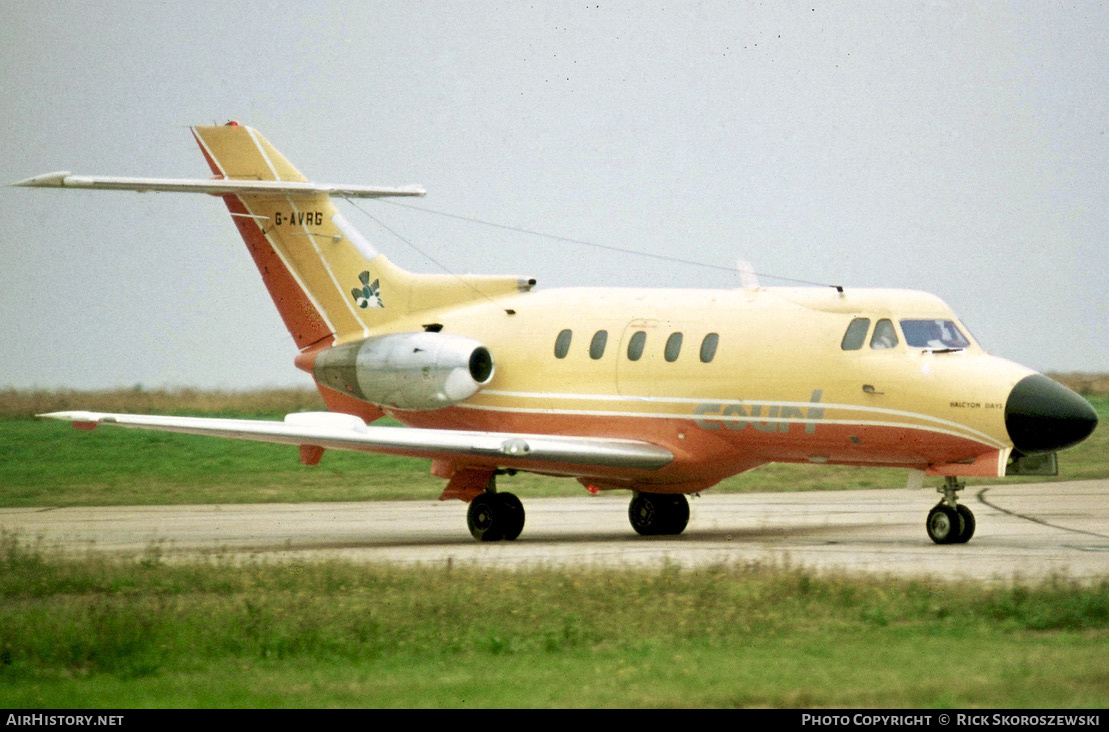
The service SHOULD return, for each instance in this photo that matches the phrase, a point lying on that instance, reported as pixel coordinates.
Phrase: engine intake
(424, 370)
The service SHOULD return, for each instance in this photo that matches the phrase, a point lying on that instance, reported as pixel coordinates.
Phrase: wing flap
(345, 432)
(214, 186)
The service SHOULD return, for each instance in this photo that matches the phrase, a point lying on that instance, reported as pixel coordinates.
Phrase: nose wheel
(950, 522)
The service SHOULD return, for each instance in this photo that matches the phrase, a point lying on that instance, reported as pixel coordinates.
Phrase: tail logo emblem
(369, 295)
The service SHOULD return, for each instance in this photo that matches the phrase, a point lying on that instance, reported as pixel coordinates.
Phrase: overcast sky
(957, 148)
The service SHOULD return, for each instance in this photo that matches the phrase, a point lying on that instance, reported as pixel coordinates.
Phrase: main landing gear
(495, 516)
(655, 514)
(950, 522)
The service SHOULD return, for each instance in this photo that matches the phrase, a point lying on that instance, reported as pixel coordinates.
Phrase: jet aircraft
(663, 393)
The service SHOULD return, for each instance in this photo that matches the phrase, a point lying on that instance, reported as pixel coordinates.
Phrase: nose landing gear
(950, 522)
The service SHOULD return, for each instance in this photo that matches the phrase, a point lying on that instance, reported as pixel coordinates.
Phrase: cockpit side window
(933, 333)
(884, 335)
(855, 336)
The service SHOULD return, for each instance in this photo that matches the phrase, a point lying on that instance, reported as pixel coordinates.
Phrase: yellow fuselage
(778, 388)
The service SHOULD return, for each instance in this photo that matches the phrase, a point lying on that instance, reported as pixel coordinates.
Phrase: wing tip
(80, 420)
(46, 180)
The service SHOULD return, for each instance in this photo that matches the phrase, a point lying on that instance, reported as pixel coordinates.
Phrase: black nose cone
(1043, 416)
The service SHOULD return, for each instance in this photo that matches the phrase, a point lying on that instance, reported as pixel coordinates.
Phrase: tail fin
(326, 279)
(307, 260)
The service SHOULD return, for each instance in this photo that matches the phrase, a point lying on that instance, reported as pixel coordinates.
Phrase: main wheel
(483, 520)
(944, 524)
(677, 514)
(643, 514)
(495, 516)
(654, 514)
(513, 512)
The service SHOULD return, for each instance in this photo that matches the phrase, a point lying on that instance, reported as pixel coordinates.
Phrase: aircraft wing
(335, 431)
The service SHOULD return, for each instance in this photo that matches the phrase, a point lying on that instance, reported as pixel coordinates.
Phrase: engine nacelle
(422, 370)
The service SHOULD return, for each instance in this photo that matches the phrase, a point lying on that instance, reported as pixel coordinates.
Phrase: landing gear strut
(655, 514)
(495, 516)
(950, 522)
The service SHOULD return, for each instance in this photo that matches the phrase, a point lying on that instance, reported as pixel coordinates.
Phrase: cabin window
(884, 335)
(673, 347)
(597, 345)
(855, 336)
(635, 345)
(562, 343)
(708, 347)
(933, 334)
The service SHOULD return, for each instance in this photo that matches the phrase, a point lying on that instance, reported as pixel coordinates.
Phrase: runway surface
(1028, 531)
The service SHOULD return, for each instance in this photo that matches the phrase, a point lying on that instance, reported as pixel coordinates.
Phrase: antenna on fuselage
(748, 278)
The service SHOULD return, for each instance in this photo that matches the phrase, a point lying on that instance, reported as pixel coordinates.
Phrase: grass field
(139, 632)
(109, 633)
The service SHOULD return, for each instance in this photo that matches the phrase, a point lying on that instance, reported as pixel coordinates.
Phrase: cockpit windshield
(933, 334)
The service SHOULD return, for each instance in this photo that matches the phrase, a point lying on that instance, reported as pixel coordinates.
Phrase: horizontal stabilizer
(214, 186)
(344, 432)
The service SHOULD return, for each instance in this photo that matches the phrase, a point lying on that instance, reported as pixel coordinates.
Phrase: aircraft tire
(677, 514)
(514, 514)
(653, 514)
(944, 524)
(642, 513)
(495, 517)
(967, 524)
(484, 518)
